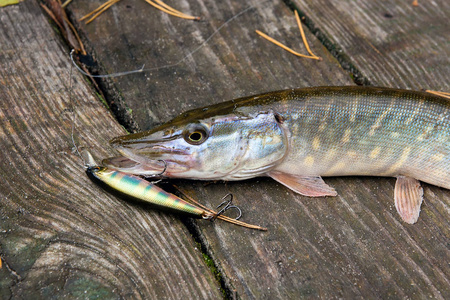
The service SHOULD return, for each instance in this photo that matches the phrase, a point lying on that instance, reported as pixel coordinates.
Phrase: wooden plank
(392, 43)
(61, 236)
(350, 246)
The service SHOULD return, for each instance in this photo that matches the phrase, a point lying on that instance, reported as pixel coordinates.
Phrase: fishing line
(190, 54)
(72, 107)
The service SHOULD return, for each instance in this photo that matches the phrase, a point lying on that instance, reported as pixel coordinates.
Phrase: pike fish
(297, 136)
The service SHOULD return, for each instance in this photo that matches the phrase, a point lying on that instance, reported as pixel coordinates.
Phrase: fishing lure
(137, 188)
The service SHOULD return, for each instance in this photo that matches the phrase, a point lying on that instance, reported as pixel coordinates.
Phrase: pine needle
(99, 10)
(442, 94)
(66, 3)
(305, 42)
(156, 3)
(302, 33)
(284, 47)
(170, 10)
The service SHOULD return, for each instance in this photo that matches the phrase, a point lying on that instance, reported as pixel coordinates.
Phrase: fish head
(230, 146)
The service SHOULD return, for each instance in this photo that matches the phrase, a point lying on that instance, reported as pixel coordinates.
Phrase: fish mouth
(155, 160)
(145, 139)
(149, 153)
(126, 165)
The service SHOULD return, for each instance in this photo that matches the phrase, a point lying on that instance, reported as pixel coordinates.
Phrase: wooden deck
(62, 236)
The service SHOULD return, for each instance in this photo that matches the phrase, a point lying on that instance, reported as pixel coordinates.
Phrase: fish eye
(195, 134)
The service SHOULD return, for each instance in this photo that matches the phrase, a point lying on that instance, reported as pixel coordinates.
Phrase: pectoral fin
(311, 186)
(408, 198)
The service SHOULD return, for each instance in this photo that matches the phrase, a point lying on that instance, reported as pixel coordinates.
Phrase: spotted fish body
(368, 131)
(296, 136)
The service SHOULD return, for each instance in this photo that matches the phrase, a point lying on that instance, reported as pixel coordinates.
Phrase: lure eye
(195, 134)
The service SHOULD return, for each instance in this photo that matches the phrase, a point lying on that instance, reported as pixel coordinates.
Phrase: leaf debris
(8, 2)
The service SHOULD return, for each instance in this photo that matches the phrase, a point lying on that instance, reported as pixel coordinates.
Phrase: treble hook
(165, 167)
(227, 205)
(159, 174)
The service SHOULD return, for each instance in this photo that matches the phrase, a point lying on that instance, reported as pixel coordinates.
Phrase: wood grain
(350, 246)
(62, 236)
(392, 43)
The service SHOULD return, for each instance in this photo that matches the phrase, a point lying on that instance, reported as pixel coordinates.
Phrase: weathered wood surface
(353, 245)
(392, 43)
(350, 246)
(61, 236)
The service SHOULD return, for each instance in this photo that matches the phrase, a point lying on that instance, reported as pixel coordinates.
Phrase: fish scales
(335, 134)
(296, 136)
